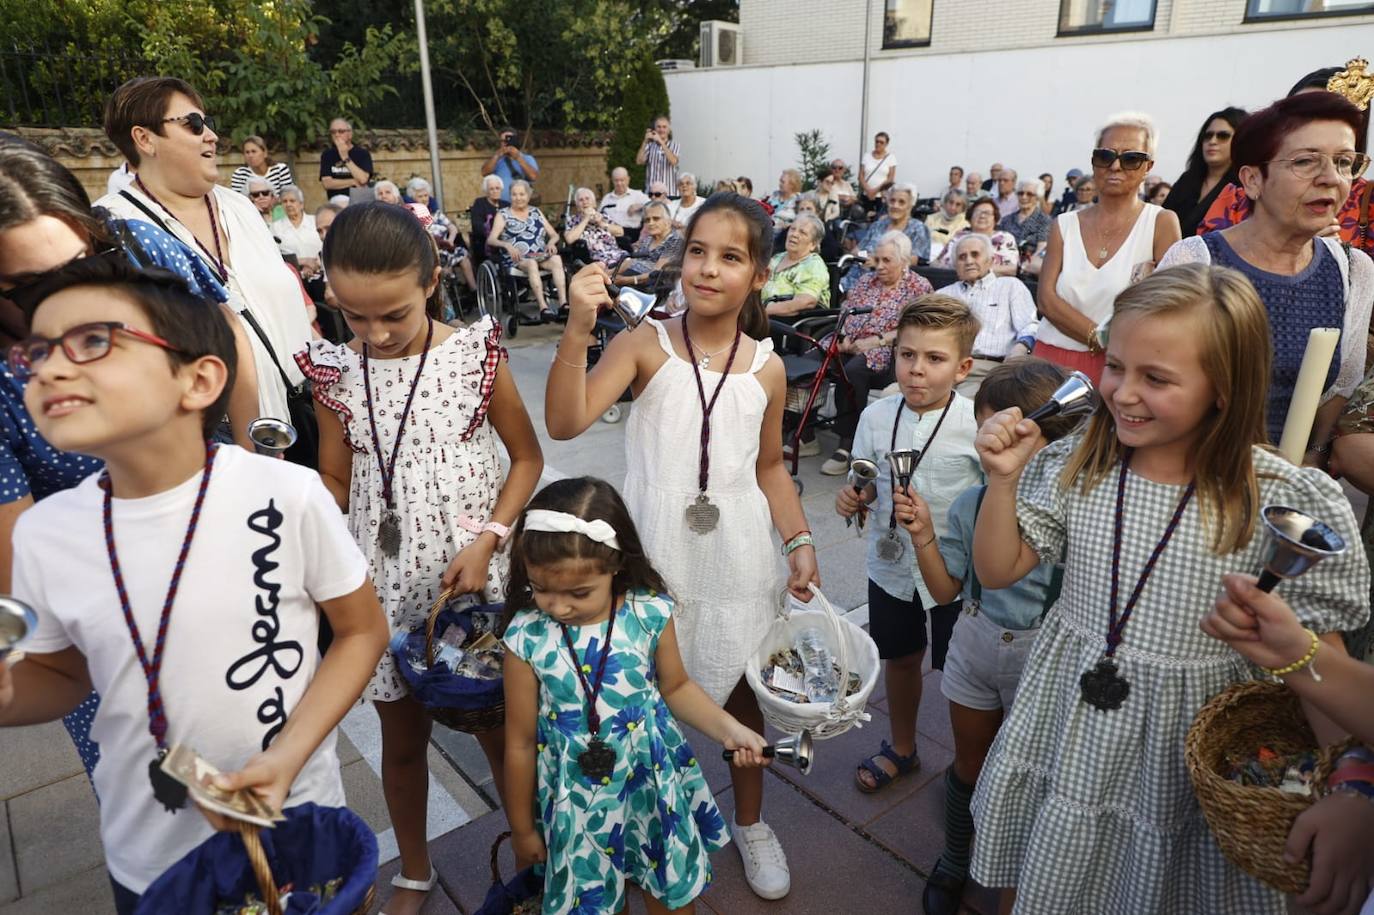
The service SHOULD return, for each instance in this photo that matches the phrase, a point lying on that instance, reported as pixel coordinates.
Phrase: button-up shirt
(617, 207)
(1006, 205)
(656, 164)
(1005, 309)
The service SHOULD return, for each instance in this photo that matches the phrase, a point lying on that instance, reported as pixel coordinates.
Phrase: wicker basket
(262, 872)
(469, 721)
(1251, 823)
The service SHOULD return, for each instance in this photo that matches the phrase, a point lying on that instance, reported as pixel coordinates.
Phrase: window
(1260, 10)
(906, 24)
(1088, 16)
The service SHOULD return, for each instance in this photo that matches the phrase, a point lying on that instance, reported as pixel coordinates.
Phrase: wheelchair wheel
(488, 291)
(613, 414)
(512, 324)
(800, 486)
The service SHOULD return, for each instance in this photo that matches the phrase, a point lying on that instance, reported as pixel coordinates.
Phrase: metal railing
(42, 85)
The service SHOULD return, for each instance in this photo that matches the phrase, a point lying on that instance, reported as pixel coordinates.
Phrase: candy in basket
(452, 664)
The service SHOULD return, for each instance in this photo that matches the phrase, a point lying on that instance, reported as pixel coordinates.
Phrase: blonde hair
(1232, 328)
(1132, 120)
(936, 311)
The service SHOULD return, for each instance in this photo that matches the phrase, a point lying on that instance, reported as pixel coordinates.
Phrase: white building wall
(1033, 108)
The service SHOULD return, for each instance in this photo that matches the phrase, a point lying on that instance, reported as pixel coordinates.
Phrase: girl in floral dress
(602, 785)
(1084, 804)
(410, 415)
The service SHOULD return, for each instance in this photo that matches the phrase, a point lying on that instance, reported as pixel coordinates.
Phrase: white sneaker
(837, 464)
(765, 866)
(809, 449)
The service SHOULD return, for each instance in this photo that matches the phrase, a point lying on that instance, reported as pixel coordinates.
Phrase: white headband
(551, 522)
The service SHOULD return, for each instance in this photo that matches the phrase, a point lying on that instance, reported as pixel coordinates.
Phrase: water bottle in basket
(822, 681)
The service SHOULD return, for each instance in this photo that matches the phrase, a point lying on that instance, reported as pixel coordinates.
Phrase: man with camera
(659, 154)
(510, 164)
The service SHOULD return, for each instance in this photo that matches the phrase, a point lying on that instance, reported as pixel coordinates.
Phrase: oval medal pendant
(167, 791)
(890, 547)
(597, 761)
(1103, 687)
(389, 534)
(702, 516)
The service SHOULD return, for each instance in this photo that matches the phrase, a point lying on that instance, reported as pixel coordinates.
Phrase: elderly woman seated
(418, 190)
(950, 218)
(296, 233)
(798, 279)
(387, 192)
(523, 237)
(867, 338)
(594, 229)
(900, 200)
(657, 247)
(783, 201)
(982, 219)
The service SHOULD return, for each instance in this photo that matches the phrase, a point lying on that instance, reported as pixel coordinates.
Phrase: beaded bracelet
(802, 539)
(1305, 661)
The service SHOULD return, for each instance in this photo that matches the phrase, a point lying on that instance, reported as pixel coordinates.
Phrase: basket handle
(444, 597)
(495, 856)
(842, 643)
(262, 871)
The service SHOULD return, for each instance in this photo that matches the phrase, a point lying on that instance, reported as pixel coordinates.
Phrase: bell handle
(1267, 581)
(769, 752)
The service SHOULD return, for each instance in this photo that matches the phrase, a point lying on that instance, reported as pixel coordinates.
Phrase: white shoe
(809, 449)
(765, 866)
(838, 463)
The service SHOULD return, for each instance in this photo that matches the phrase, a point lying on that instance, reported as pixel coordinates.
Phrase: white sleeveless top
(1092, 290)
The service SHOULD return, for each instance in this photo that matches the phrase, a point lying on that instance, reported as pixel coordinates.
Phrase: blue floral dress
(653, 822)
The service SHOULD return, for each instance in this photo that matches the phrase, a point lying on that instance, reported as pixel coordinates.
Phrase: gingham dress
(1092, 812)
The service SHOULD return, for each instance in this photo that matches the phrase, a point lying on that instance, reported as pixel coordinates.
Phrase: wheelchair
(505, 294)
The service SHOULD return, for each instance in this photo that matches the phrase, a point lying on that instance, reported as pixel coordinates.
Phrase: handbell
(632, 305)
(271, 436)
(861, 472)
(1296, 543)
(904, 465)
(1075, 397)
(791, 751)
(17, 623)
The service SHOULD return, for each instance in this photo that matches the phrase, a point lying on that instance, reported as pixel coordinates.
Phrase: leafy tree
(644, 98)
(683, 40)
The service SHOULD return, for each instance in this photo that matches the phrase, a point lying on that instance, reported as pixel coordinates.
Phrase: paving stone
(348, 753)
(363, 793)
(9, 878)
(49, 848)
(87, 893)
(915, 828)
(463, 860)
(466, 753)
(36, 756)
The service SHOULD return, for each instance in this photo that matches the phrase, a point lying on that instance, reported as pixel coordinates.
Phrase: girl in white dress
(410, 413)
(1084, 804)
(705, 483)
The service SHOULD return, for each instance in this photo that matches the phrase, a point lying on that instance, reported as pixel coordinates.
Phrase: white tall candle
(1302, 410)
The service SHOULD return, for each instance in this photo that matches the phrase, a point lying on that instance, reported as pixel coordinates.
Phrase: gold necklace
(1107, 237)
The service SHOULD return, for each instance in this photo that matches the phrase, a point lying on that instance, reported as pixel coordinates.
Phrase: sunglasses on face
(1025, 193)
(1131, 160)
(1218, 135)
(259, 193)
(658, 194)
(195, 122)
(82, 344)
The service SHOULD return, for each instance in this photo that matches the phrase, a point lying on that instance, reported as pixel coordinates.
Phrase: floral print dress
(653, 822)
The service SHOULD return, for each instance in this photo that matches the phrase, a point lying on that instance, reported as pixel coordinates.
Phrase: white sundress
(448, 473)
(726, 583)
(1092, 813)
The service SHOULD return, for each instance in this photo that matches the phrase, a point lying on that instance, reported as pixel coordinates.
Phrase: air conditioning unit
(722, 44)
(667, 66)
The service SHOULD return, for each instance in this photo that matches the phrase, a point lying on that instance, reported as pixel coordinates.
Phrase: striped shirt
(278, 175)
(1005, 309)
(656, 164)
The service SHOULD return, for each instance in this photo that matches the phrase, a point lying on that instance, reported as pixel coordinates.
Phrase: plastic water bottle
(822, 681)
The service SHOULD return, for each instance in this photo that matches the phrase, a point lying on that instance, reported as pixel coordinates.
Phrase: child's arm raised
(522, 712)
(1005, 443)
(468, 570)
(690, 705)
(43, 688)
(783, 502)
(573, 398)
(336, 461)
(914, 514)
(360, 637)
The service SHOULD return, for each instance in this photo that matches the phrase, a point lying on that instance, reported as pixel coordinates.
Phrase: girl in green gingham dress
(1090, 811)
(647, 817)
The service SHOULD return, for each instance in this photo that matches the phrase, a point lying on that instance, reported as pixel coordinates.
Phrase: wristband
(1304, 661)
(802, 539)
(500, 530)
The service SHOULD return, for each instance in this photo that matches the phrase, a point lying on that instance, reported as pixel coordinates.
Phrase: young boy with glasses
(216, 557)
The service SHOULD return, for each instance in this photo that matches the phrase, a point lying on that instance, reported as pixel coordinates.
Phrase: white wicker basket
(851, 647)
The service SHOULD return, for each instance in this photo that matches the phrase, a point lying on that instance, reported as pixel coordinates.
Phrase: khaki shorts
(984, 664)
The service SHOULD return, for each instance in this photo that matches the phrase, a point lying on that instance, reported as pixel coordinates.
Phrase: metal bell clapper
(796, 752)
(903, 465)
(271, 436)
(1075, 397)
(632, 305)
(861, 472)
(17, 623)
(1296, 542)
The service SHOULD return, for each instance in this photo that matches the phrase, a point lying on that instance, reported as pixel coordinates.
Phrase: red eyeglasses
(81, 344)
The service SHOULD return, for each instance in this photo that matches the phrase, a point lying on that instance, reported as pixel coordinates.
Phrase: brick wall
(783, 32)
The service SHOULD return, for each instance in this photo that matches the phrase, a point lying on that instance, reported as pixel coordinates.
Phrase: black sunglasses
(658, 194)
(195, 122)
(259, 193)
(1131, 160)
(1216, 135)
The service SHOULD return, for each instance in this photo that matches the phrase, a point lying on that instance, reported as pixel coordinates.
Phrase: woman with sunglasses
(159, 124)
(1096, 252)
(1209, 169)
(259, 191)
(1296, 160)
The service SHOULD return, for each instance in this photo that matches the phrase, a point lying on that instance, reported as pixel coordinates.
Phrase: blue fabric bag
(312, 847)
(464, 703)
(523, 893)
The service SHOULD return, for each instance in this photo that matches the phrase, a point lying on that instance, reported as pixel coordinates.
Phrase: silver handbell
(861, 472)
(271, 436)
(796, 752)
(632, 305)
(17, 623)
(903, 465)
(1075, 397)
(1296, 542)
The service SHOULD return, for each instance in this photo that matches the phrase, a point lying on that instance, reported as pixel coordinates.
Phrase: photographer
(659, 154)
(510, 164)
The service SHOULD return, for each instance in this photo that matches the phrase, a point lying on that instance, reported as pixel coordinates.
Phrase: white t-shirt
(617, 207)
(241, 644)
(302, 241)
(683, 213)
(877, 172)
